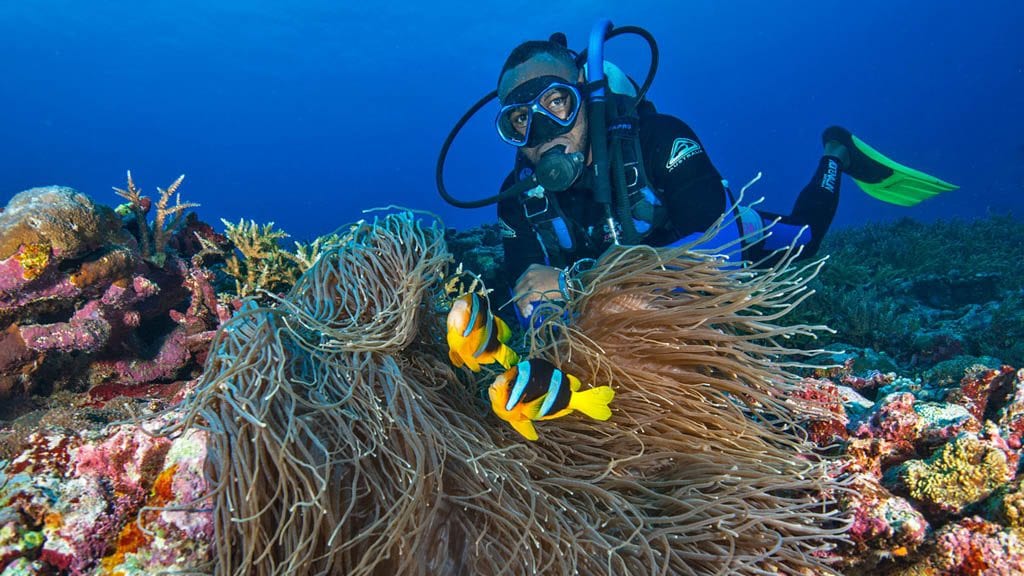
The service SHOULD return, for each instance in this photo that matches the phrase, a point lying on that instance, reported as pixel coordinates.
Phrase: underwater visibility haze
(306, 113)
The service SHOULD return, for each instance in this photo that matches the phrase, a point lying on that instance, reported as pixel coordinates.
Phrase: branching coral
(263, 264)
(153, 238)
(342, 442)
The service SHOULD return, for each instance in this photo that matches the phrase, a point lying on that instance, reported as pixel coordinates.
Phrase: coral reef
(83, 302)
(935, 467)
(112, 501)
(925, 293)
(366, 451)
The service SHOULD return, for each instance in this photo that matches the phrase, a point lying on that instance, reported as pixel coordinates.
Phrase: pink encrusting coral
(97, 505)
(831, 427)
(1011, 416)
(974, 546)
(91, 325)
(978, 386)
(882, 521)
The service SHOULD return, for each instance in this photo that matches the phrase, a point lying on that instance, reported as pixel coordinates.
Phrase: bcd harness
(548, 221)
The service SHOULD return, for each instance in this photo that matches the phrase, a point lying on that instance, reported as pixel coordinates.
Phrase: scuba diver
(597, 165)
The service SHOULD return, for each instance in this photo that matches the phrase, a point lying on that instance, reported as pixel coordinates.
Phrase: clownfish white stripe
(553, 387)
(486, 339)
(474, 308)
(522, 379)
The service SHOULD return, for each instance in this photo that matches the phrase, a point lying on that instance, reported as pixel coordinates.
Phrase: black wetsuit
(689, 197)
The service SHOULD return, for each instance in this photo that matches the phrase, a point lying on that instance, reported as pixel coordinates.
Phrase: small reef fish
(476, 336)
(536, 390)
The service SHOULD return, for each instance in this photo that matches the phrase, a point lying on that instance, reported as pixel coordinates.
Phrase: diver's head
(541, 101)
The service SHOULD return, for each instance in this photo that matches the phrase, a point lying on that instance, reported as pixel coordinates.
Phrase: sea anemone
(342, 442)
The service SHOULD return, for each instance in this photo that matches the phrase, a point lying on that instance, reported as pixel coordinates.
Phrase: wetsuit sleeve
(689, 184)
(518, 240)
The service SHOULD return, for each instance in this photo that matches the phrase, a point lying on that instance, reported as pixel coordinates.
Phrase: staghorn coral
(307, 253)
(340, 441)
(263, 265)
(153, 237)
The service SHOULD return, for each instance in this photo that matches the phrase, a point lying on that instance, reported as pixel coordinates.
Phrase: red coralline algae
(940, 461)
(83, 497)
(978, 385)
(825, 396)
(896, 420)
(976, 547)
(882, 521)
(129, 459)
(1011, 416)
(45, 452)
(861, 384)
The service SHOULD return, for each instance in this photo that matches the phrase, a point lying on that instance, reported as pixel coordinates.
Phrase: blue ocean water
(305, 113)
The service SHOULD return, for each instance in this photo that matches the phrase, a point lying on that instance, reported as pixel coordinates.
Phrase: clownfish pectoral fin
(504, 332)
(472, 363)
(506, 356)
(455, 358)
(525, 427)
(593, 402)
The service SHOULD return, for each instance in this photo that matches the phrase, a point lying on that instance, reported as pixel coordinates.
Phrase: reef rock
(80, 306)
(66, 221)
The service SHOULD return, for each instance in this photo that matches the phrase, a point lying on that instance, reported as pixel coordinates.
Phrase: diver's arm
(520, 244)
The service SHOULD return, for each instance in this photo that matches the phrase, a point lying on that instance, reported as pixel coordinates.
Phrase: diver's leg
(817, 203)
(810, 218)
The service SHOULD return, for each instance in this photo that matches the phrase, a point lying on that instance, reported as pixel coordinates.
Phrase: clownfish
(475, 336)
(536, 390)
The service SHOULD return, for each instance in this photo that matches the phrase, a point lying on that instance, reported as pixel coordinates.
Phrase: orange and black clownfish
(475, 336)
(536, 390)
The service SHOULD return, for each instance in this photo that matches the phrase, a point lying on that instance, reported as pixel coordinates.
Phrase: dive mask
(538, 110)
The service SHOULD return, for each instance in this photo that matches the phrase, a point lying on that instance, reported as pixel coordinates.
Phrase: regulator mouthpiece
(557, 171)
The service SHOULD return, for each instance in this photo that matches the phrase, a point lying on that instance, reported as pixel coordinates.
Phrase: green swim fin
(882, 177)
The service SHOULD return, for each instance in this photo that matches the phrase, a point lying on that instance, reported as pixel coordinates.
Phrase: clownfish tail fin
(594, 402)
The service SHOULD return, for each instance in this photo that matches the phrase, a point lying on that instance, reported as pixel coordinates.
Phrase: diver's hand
(537, 284)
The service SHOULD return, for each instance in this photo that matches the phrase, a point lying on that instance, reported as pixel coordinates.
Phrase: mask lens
(514, 124)
(551, 111)
(560, 103)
